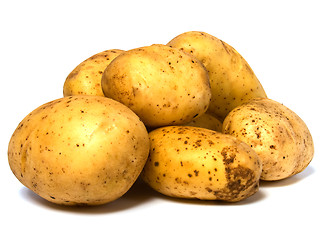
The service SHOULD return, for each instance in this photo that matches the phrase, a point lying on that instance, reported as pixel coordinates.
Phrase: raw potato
(276, 133)
(208, 121)
(79, 150)
(191, 162)
(86, 78)
(162, 85)
(231, 79)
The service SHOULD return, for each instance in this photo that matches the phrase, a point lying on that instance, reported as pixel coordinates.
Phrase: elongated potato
(278, 135)
(191, 162)
(86, 78)
(79, 150)
(231, 78)
(162, 85)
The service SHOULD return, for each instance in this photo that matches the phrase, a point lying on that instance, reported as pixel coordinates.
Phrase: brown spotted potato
(278, 135)
(232, 80)
(162, 85)
(85, 79)
(79, 150)
(197, 163)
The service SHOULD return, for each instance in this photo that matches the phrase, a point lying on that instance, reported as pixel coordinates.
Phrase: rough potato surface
(197, 163)
(276, 133)
(79, 150)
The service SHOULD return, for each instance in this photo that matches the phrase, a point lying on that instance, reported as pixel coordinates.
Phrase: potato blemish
(211, 165)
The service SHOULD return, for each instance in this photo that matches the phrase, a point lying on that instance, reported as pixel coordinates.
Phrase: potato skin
(86, 78)
(208, 121)
(79, 150)
(162, 85)
(197, 163)
(278, 135)
(231, 78)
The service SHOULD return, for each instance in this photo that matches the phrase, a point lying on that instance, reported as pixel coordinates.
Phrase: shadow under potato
(137, 195)
(140, 194)
(289, 181)
(141, 191)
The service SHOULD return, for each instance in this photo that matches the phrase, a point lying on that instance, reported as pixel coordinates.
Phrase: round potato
(197, 163)
(276, 133)
(86, 78)
(231, 78)
(208, 121)
(162, 85)
(79, 150)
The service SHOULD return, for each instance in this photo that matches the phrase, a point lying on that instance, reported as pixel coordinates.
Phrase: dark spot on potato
(197, 143)
(208, 189)
(178, 180)
(258, 135)
(156, 164)
(229, 154)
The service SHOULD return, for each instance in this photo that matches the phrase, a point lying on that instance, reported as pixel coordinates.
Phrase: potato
(276, 133)
(86, 78)
(208, 121)
(231, 78)
(79, 150)
(162, 85)
(197, 163)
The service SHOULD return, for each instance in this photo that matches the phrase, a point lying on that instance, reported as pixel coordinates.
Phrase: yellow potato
(278, 135)
(86, 78)
(79, 150)
(191, 162)
(162, 85)
(208, 121)
(231, 78)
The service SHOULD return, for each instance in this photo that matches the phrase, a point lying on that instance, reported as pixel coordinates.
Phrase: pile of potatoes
(189, 117)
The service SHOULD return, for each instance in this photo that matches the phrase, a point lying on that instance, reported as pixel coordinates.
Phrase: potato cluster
(189, 117)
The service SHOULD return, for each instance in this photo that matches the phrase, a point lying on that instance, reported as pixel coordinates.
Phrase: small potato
(86, 78)
(162, 85)
(231, 78)
(279, 136)
(79, 150)
(208, 121)
(191, 162)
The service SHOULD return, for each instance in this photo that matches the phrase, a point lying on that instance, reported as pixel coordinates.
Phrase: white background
(42, 41)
